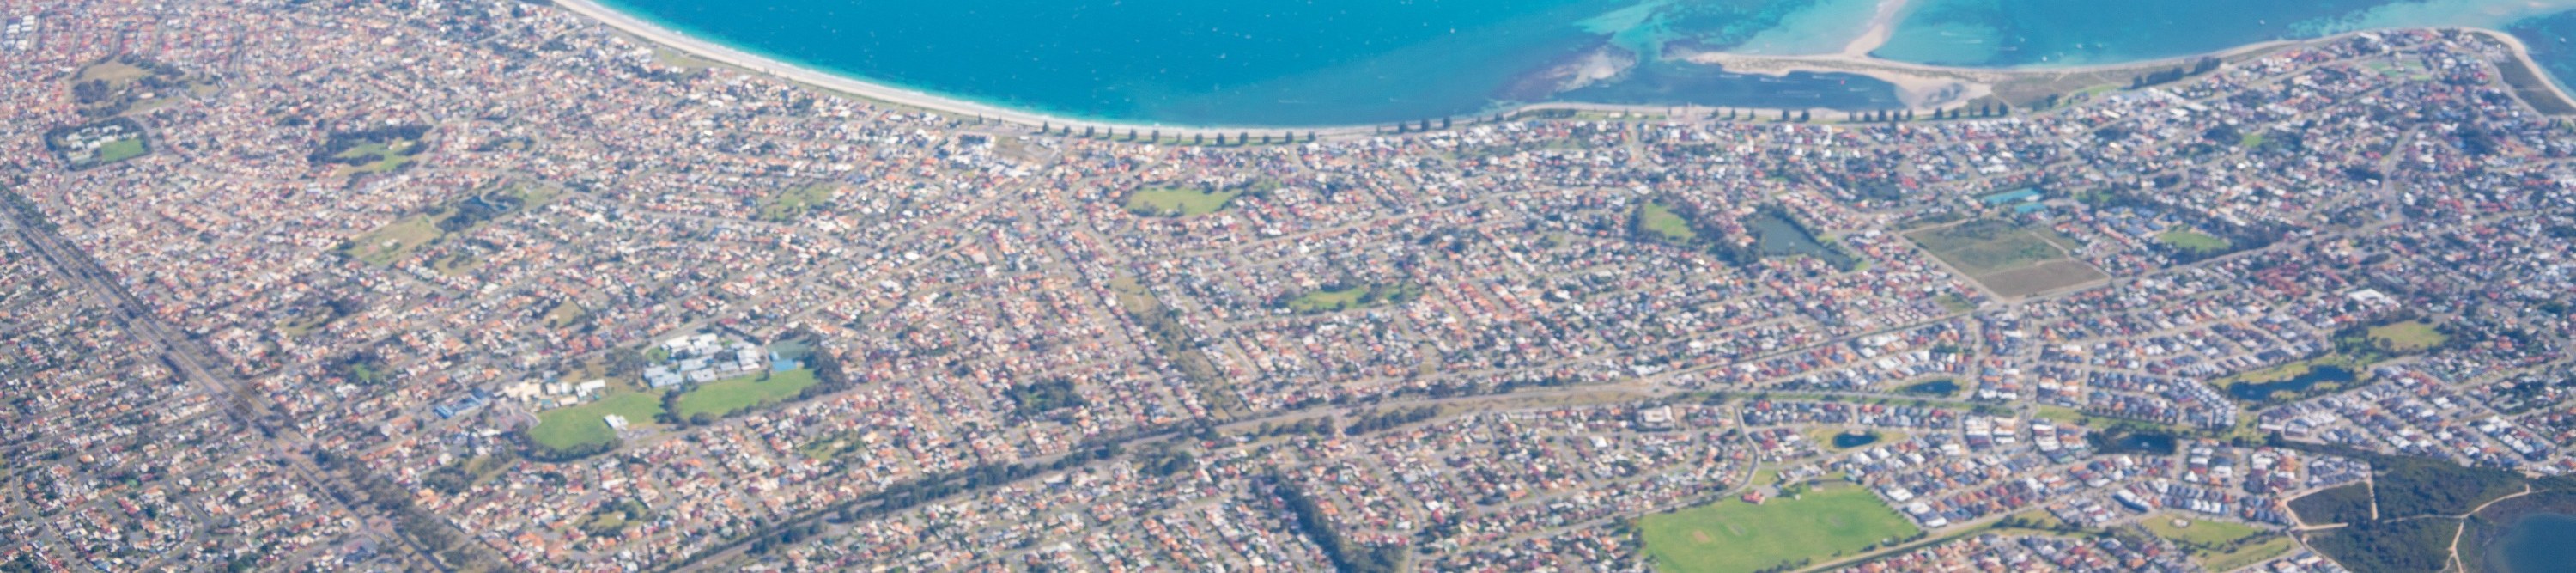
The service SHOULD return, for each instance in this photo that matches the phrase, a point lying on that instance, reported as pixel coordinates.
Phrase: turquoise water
(2539, 543)
(2014, 33)
(1318, 62)
(2552, 40)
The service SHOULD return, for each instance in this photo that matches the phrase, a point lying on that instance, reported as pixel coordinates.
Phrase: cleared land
(2218, 545)
(113, 72)
(1736, 537)
(1661, 220)
(392, 242)
(1174, 202)
(729, 395)
(2409, 336)
(2011, 260)
(573, 426)
(2199, 532)
(2040, 278)
(564, 314)
(790, 204)
(1987, 245)
(2246, 555)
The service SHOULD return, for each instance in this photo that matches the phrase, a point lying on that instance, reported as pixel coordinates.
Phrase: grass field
(2198, 531)
(2290, 370)
(563, 314)
(2210, 541)
(2247, 555)
(567, 427)
(392, 242)
(120, 150)
(1324, 300)
(1346, 298)
(1174, 202)
(1765, 476)
(1661, 220)
(387, 157)
(1736, 537)
(729, 395)
(1987, 246)
(2409, 336)
(789, 204)
(113, 71)
(2190, 240)
(312, 319)
(2012, 260)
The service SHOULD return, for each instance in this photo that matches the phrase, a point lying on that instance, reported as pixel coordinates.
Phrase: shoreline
(1922, 87)
(898, 95)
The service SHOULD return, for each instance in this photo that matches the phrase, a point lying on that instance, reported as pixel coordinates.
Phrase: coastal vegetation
(2339, 504)
(2419, 503)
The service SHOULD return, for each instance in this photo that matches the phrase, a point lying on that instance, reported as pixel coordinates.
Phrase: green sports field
(1736, 537)
(567, 427)
(725, 396)
(1174, 202)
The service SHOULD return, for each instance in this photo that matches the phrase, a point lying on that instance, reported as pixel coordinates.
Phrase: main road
(189, 356)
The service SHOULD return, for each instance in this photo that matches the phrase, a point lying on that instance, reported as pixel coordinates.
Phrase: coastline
(1921, 87)
(902, 96)
(2522, 53)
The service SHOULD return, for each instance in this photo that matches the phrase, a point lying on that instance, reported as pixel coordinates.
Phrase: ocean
(2537, 543)
(1337, 62)
(2552, 41)
(2051, 33)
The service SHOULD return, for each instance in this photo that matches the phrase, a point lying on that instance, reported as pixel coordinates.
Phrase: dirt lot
(2040, 278)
